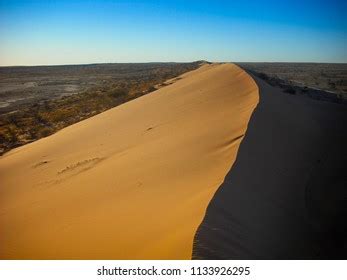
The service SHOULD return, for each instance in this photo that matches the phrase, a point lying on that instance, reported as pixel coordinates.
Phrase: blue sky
(72, 32)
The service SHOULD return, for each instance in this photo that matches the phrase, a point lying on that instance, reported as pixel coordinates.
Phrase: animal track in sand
(80, 166)
(40, 163)
(70, 171)
(154, 127)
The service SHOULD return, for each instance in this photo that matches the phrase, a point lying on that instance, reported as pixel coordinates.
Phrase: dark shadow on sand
(286, 195)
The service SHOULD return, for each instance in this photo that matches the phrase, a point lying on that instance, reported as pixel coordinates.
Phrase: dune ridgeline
(132, 182)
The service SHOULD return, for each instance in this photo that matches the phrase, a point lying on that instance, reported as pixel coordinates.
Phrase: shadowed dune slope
(130, 183)
(285, 197)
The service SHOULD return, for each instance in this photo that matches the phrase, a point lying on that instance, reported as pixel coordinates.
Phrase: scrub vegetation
(38, 101)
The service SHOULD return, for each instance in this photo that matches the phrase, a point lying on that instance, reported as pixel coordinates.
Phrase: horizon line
(149, 62)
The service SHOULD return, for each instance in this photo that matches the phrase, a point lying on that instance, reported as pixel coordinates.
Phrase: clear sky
(72, 32)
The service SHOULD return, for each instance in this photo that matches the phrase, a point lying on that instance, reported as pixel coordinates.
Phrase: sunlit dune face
(132, 182)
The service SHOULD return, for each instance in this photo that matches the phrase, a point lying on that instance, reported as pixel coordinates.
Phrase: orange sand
(132, 182)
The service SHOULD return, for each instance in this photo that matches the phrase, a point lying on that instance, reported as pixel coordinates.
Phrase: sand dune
(293, 206)
(130, 183)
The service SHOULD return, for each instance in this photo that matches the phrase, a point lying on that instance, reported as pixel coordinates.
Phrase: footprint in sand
(80, 166)
(70, 170)
(40, 163)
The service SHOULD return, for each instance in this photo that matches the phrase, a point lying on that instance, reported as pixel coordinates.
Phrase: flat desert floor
(132, 182)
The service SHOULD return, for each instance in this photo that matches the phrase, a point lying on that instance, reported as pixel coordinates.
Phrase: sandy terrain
(285, 197)
(130, 183)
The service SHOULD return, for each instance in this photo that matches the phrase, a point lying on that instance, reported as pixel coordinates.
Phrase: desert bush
(117, 92)
(44, 132)
(290, 90)
(263, 76)
(305, 89)
(151, 88)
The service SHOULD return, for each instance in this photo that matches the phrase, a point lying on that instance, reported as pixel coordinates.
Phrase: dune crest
(132, 182)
